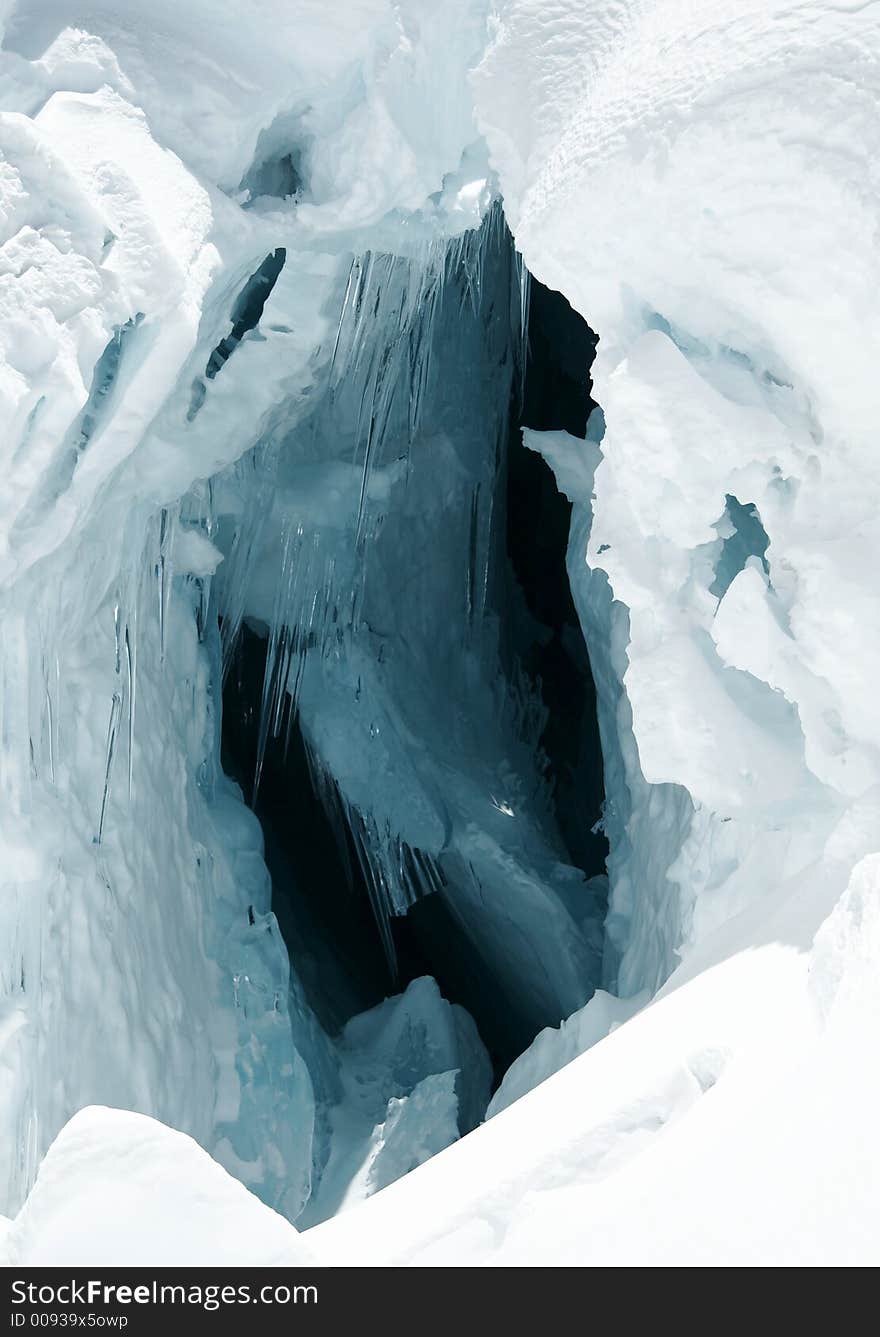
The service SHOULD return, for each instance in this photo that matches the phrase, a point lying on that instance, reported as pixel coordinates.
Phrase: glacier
(439, 764)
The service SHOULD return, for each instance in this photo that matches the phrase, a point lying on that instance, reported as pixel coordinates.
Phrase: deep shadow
(430, 941)
(556, 397)
(320, 895)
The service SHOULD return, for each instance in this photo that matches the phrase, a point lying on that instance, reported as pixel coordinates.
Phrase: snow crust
(713, 156)
(700, 182)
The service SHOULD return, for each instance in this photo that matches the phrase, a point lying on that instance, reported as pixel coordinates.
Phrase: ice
(377, 568)
(709, 392)
(716, 1096)
(144, 969)
(665, 1115)
(743, 538)
(414, 1075)
(416, 1128)
(199, 436)
(245, 315)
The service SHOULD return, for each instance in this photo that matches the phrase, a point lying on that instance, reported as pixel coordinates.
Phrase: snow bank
(230, 91)
(121, 1190)
(700, 185)
(727, 1123)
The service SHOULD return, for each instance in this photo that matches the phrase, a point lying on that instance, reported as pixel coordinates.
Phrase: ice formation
(303, 817)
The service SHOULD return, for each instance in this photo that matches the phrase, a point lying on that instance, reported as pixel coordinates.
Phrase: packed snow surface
(121, 1190)
(259, 334)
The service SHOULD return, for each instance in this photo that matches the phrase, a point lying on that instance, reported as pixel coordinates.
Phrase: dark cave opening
(320, 893)
(556, 397)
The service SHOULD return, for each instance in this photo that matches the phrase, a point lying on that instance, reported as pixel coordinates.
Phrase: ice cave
(439, 762)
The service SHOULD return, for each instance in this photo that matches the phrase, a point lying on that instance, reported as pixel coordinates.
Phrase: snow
(700, 183)
(345, 85)
(119, 1190)
(745, 1085)
(722, 1125)
(715, 1097)
(686, 206)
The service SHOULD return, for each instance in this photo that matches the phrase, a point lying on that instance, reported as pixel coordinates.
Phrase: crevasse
(305, 848)
(360, 533)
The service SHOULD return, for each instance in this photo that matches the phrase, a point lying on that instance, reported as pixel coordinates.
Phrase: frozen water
(378, 568)
(142, 965)
(197, 435)
(414, 1074)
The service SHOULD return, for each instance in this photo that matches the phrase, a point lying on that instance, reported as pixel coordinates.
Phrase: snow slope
(727, 1124)
(120, 1189)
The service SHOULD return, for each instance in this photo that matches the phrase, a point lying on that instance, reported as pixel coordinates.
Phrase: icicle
(56, 744)
(353, 279)
(395, 874)
(116, 633)
(274, 679)
(524, 284)
(202, 611)
(470, 593)
(382, 383)
(115, 707)
(365, 482)
(162, 581)
(48, 715)
(255, 477)
(131, 663)
(487, 555)
(51, 725)
(210, 520)
(403, 297)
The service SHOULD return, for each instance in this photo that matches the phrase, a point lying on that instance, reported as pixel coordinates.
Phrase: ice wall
(378, 564)
(697, 182)
(141, 966)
